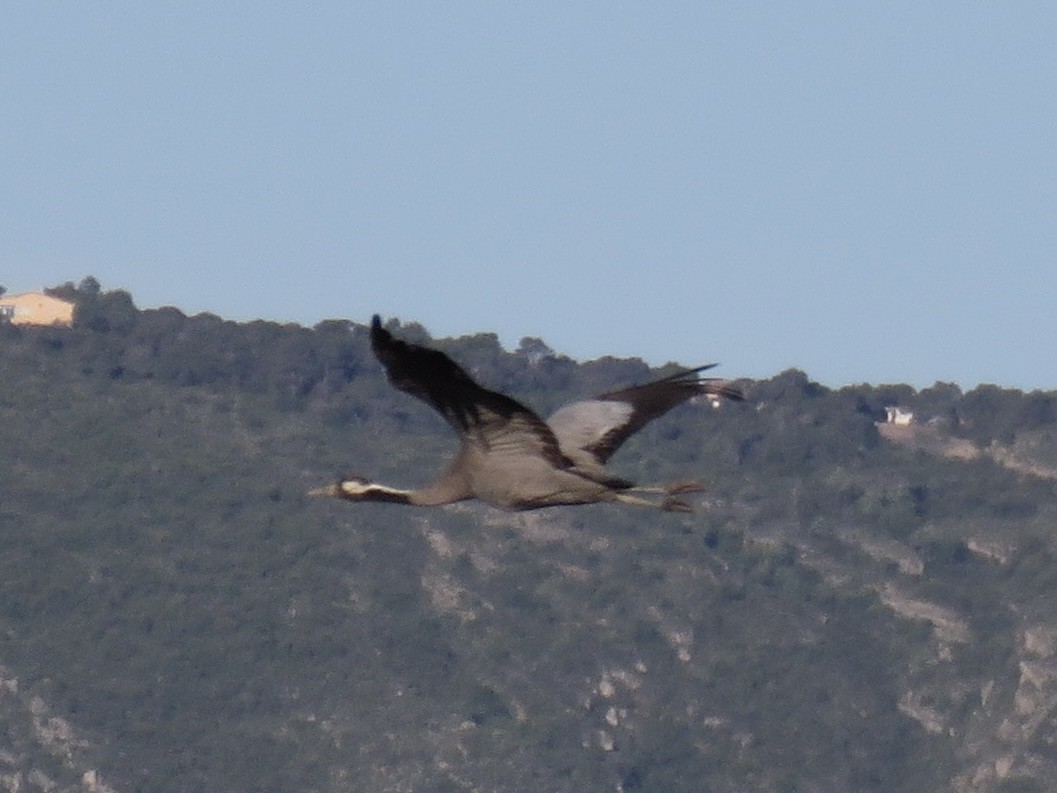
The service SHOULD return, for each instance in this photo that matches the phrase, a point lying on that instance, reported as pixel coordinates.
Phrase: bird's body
(511, 458)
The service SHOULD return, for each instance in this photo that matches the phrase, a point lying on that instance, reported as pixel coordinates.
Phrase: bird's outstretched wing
(599, 426)
(478, 415)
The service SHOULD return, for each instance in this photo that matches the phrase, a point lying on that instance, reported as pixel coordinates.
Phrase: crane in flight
(511, 458)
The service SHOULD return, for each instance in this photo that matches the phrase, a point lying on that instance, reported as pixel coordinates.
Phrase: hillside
(849, 609)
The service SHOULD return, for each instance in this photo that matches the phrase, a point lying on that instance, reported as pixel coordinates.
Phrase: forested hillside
(853, 607)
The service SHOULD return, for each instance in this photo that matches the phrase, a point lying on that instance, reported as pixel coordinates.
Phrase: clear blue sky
(866, 191)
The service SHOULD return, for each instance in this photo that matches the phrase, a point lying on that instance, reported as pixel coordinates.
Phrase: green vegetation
(844, 612)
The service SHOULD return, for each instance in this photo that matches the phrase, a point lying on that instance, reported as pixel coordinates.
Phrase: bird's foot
(675, 505)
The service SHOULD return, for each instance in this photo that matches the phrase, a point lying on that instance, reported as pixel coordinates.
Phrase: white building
(896, 415)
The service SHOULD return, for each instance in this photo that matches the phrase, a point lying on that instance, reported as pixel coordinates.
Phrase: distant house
(35, 308)
(896, 415)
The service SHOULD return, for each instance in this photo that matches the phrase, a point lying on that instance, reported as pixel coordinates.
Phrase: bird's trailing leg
(668, 504)
(675, 505)
(685, 486)
(672, 488)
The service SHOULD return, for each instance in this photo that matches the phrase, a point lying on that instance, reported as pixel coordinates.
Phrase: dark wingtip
(708, 385)
(719, 388)
(689, 374)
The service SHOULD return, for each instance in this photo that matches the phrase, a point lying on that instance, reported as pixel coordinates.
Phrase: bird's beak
(328, 490)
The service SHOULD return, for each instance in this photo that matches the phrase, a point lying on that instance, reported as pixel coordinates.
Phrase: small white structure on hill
(896, 415)
(36, 308)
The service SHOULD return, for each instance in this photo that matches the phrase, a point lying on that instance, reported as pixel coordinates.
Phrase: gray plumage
(509, 457)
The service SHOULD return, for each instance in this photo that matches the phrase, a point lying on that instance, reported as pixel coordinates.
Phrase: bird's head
(349, 486)
(357, 488)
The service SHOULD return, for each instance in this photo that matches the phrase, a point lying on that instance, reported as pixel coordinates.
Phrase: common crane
(512, 459)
